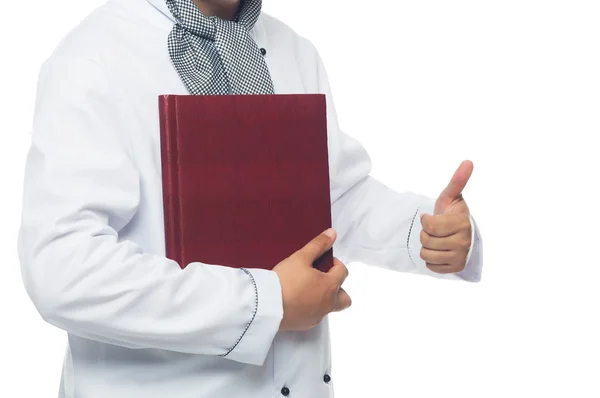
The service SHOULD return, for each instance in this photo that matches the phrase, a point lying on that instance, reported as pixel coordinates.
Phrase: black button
(263, 51)
(285, 391)
(326, 378)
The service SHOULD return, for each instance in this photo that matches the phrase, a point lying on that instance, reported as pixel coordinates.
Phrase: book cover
(245, 177)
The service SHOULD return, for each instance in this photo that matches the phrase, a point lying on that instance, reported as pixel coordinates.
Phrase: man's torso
(128, 40)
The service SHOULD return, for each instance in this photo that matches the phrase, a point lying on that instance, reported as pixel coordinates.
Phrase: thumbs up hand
(446, 235)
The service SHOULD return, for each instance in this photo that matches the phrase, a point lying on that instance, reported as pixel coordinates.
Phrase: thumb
(342, 301)
(455, 187)
(318, 246)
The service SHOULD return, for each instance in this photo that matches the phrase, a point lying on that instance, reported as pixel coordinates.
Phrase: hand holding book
(309, 294)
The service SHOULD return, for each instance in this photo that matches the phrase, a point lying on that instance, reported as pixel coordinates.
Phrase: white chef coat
(91, 243)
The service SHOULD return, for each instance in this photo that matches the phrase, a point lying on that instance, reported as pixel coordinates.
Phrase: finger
(343, 301)
(457, 241)
(443, 269)
(339, 272)
(457, 182)
(443, 225)
(438, 257)
(317, 246)
(435, 243)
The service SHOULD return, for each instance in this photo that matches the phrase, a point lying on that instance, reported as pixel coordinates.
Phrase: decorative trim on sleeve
(253, 315)
(408, 237)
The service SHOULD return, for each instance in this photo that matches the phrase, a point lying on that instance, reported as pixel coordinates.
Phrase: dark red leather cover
(245, 177)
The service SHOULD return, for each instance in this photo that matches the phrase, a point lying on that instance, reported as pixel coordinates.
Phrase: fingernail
(330, 232)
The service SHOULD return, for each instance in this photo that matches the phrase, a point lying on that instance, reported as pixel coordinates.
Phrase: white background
(513, 85)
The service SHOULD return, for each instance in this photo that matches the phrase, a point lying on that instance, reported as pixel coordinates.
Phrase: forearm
(375, 225)
(109, 291)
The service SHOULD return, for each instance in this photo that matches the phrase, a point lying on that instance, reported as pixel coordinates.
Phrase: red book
(245, 177)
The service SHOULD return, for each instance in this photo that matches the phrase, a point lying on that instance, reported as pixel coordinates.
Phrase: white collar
(161, 6)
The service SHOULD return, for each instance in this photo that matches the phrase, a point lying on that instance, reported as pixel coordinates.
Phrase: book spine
(171, 177)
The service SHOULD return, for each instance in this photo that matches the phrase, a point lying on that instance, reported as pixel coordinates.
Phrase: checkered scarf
(214, 56)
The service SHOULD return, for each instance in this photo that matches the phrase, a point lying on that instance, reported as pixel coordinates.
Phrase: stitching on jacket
(408, 237)
(253, 315)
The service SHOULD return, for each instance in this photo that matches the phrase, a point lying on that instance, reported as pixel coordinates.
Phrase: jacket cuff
(472, 271)
(255, 341)
(414, 238)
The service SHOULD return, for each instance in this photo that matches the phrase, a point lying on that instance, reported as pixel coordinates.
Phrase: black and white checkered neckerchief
(214, 56)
